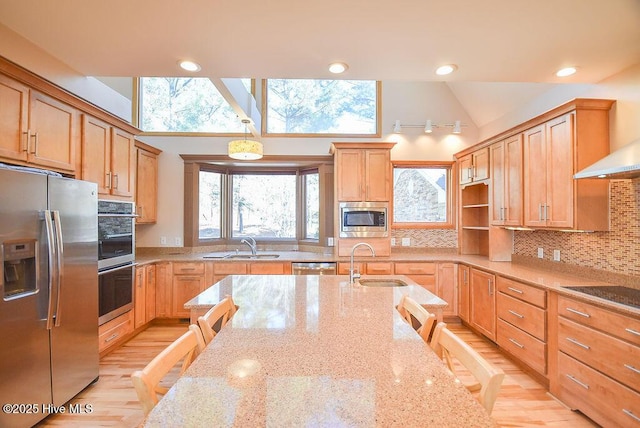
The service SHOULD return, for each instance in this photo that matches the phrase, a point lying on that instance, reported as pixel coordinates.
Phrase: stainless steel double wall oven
(116, 258)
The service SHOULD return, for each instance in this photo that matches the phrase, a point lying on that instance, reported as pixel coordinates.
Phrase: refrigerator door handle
(60, 270)
(51, 249)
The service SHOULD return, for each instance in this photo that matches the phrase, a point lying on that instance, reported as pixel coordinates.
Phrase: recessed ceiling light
(567, 71)
(446, 69)
(189, 65)
(338, 67)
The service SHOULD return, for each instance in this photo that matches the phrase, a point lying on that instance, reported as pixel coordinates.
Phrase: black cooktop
(615, 293)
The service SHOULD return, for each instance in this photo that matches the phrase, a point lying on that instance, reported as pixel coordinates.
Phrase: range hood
(623, 163)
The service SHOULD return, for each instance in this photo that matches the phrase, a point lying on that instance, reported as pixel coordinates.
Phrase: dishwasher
(313, 268)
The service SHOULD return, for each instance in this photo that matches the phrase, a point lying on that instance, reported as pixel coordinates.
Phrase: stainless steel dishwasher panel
(314, 268)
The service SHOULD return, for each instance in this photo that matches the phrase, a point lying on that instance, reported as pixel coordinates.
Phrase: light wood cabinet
(474, 219)
(14, 120)
(597, 362)
(447, 289)
(188, 281)
(483, 302)
(423, 273)
(150, 292)
(108, 158)
(382, 247)
(553, 152)
(474, 166)
(146, 183)
(139, 298)
(506, 182)
(114, 332)
(164, 289)
(463, 293)
(269, 268)
(363, 174)
(224, 269)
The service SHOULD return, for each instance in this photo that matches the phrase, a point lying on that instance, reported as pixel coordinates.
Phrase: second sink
(381, 282)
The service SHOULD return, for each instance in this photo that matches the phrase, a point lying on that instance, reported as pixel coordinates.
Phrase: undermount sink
(252, 256)
(375, 282)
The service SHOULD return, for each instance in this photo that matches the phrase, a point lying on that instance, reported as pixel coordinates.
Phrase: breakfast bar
(316, 350)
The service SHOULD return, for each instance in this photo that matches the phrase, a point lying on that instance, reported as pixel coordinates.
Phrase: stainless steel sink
(252, 257)
(381, 282)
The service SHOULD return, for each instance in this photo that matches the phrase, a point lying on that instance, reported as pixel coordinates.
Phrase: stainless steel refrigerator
(48, 292)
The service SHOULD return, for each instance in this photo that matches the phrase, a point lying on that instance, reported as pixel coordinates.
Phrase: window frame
(451, 194)
(377, 134)
(193, 164)
(136, 114)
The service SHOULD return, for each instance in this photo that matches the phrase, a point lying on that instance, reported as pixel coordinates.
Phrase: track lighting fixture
(456, 127)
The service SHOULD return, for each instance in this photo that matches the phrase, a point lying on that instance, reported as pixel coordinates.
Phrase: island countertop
(316, 350)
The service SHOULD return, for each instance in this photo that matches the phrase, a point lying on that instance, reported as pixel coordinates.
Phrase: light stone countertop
(316, 350)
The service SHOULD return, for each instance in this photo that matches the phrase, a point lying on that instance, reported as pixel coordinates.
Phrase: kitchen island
(316, 350)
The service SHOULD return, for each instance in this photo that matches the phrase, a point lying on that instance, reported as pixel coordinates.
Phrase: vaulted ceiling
(506, 51)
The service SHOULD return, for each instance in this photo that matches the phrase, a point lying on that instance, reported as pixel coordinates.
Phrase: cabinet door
(350, 175)
(377, 175)
(54, 133)
(14, 101)
(164, 289)
(464, 165)
(96, 153)
(559, 204)
(480, 165)
(122, 163)
(146, 186)
(513, 181)
(150, 292)
(497, 202)
(139, 299)
(447, 287)
(535, 173)
(185, 288)
(463, 292)
(483, 303)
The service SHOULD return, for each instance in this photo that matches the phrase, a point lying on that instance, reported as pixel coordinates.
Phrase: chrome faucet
(251, 243)
(352, 274)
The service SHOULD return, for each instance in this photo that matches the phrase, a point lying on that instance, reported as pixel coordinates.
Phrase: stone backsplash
(616, 251)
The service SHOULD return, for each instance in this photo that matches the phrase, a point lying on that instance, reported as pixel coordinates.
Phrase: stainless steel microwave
(363, 219)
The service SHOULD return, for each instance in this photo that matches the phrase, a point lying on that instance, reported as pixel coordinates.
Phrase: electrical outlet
(163, 240)
(178, 241)
(556, 255)
(406, 242)
(540, 252)
(393, 242)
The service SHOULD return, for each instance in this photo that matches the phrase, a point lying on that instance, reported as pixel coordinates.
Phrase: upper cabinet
(363, 172)
(553, 152)
(474, 166)
(506, 179)
(146, 183)
(108, 158)
(36, 129)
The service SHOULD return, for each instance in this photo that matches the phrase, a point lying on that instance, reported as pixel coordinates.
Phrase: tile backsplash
(616, 251)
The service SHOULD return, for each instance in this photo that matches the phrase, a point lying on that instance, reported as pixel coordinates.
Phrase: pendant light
(245, 149)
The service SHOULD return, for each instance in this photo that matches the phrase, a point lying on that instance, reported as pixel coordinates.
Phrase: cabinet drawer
(602, 399)
(230, 268)
(113, 331)
(379, 268)
(533, 295)
(189, 268)
(258, 268)
(611, 356)
(343, 267)
(621, 326)
(527, 348)
(523, 315)
(415, 268)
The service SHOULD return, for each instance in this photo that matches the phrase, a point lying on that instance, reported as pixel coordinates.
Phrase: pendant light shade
(245, 149)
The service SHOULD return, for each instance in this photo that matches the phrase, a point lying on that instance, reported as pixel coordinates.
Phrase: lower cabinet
(522, 322)
(447, 289)
(139, 298)
(188, 281)
(464, 302)
(423, 273)
(114, 332)
(482, 314)
(598, 362)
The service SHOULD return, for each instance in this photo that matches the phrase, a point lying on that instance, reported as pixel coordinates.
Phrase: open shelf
(474, 219)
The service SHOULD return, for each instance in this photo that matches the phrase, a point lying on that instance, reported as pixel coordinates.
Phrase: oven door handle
(117, 268)
(118, 215)
(118, 235)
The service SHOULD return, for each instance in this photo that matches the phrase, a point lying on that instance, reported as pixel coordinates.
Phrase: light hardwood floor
(522, 401)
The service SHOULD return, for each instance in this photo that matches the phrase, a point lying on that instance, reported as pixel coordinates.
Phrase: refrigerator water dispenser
(19, 266)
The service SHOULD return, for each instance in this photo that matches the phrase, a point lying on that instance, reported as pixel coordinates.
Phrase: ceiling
(495, 43)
